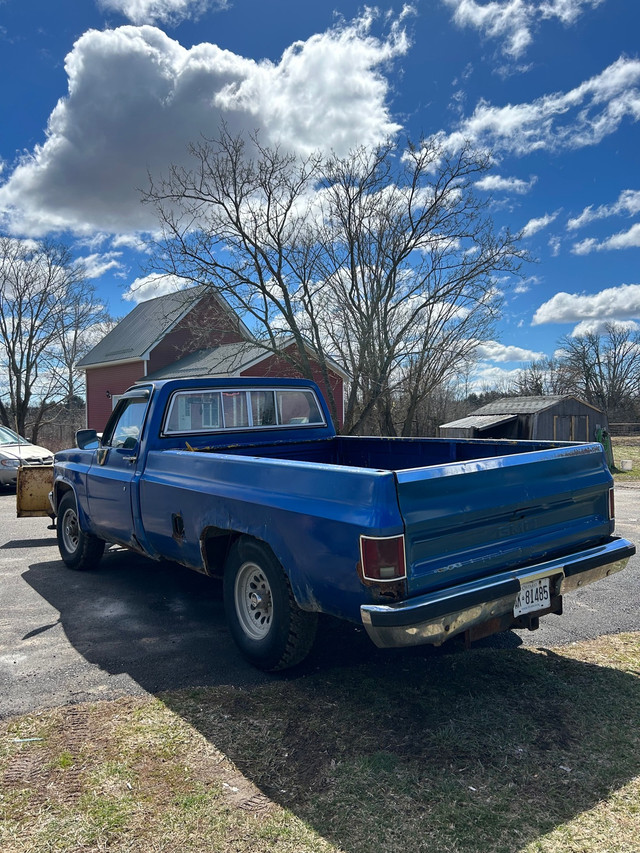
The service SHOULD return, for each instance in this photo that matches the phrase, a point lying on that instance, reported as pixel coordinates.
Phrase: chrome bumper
(435, 617)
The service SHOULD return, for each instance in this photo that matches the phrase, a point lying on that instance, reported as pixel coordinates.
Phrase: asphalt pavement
(135, 627)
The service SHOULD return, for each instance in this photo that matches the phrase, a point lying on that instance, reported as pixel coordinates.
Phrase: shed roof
(478, 422)
(528, 405)
(519, 405)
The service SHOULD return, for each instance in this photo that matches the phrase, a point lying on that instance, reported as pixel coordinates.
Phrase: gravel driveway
(137, 627)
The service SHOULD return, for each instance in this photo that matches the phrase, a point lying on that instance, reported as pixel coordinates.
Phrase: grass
(534, 751)
(626, 447)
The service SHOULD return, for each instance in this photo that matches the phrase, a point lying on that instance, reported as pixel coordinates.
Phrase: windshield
(8, 436)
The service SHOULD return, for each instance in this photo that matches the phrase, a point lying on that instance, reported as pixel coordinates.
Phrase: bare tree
(46, 306)
(542, 377)
(381, 260)
(604, 368)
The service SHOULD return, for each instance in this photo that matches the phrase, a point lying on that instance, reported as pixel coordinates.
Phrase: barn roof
(145, 326)
(225, 360)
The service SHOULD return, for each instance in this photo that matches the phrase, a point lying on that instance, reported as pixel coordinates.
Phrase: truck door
(111, 475)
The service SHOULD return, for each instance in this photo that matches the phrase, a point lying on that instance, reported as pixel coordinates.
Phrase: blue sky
(97, 92)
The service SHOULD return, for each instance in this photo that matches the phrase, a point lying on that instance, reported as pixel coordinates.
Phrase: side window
(125, 430)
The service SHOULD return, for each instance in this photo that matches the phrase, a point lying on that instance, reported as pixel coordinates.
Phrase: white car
(16, 451)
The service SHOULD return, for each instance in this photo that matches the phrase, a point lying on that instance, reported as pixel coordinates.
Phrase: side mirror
(87, 439)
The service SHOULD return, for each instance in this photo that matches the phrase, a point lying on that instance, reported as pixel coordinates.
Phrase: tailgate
(468, 520)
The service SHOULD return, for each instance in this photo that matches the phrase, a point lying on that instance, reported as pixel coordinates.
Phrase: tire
(269, 628)
(78, 550)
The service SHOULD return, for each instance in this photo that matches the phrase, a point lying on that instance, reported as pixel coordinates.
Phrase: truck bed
(389, 454)
(468, 509)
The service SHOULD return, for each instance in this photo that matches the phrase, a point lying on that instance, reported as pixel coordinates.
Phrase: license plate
(533, 596)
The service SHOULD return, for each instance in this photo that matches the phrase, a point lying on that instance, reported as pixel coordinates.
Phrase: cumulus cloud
(613, 303)
(623, 240)
(535, 225)
(512, 22)
(627, 204)
(150, 286)
(575, 119)
(160, 11)
(496, 183)
(497, 352)
(598, 327)
(97, 264)
(487, 376)
(136, 99)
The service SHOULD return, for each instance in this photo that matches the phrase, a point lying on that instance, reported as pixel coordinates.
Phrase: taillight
(612, 506)
(383, 558)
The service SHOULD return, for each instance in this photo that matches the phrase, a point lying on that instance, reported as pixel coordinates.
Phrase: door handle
(129, 459)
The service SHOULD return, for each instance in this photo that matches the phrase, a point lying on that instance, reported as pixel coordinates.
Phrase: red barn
(190, 333)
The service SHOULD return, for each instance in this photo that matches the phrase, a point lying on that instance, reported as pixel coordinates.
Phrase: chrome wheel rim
(253, 601)
(70, 531)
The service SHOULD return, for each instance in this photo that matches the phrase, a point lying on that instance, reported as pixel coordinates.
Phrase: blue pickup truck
(416, 539)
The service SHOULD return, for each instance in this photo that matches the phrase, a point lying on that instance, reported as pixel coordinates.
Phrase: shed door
(571, 428)
(580, 428)
(561, 428)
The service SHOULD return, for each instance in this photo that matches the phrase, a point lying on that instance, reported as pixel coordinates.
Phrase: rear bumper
(436, 616)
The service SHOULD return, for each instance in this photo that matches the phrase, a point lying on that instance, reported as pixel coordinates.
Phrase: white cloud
(554, 246)
(497, 352)
(130, 241)
(508, 21)
(568, 11)
(623, 240)
(137, 98)
(535, 225)
(575, 119)
(496, 183)
(597, 327)
(150, 286)
(163, 11)
(613, 303)
(487, 376)
(97, 264)
(627, 203)
(513, 22)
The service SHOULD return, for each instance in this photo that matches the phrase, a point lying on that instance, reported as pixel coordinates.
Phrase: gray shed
(561, 418)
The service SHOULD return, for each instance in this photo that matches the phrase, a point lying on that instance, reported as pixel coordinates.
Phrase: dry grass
(625, 447)
(490, 750)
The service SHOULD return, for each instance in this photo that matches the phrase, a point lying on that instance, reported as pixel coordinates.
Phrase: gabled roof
(526, 405)
(145, 326)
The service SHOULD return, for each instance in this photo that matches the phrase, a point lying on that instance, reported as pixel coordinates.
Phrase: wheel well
(61, 490)
(215, 545)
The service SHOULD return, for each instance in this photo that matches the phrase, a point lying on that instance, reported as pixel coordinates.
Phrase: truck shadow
(488, 749)
(164, 626)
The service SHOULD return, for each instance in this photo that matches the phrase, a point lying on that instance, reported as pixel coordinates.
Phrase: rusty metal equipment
(32, 491)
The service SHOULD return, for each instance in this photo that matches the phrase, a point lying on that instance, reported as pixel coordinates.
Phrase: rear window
(240, 409)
